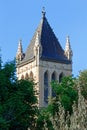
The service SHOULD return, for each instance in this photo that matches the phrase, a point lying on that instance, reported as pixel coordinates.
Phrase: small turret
(20, 54)
(68, 50)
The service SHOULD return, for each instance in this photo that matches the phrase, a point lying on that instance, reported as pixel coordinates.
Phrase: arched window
(46, 87)
(26, 76)
(60, 77)
(53, 78)
(22, 77)
(31, 75)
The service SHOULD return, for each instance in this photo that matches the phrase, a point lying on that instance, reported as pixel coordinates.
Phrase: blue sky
(20, 18)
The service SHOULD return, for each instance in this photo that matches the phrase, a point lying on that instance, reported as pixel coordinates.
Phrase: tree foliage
(18, 103)
(54, 116)
(0, 60)
(65, 92)
(76, 121)
(83, 83)
(67, 99)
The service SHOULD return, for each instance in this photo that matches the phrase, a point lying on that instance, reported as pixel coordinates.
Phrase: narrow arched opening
(31, 75)
(46, 87)
(22, 77)
(53, 78)
(26, 76)
(60, 77)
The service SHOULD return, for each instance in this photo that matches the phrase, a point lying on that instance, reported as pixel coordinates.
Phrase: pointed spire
(19, 55)
(20, 50)
(68, 50)
(67, 47)
(43, 12)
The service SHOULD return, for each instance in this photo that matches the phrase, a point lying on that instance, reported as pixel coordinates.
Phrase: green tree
(18, 103)
(83, 83)
(43, 120)
(65, 93)
(76, 121)
(0, 60)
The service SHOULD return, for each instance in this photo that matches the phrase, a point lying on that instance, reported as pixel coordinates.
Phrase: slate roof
(51, 48)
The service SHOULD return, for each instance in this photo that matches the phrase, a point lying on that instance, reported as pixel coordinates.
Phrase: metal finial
(43, 11)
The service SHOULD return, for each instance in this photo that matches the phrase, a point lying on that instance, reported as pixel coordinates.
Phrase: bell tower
(44, 60)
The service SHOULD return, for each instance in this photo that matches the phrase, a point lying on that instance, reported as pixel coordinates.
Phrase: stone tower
(44, 60)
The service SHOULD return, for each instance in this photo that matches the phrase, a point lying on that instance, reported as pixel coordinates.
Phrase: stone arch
(61, 76)
(26, 76)
(31, 75)
(53, 78)
(22, 77)
(46, 86)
